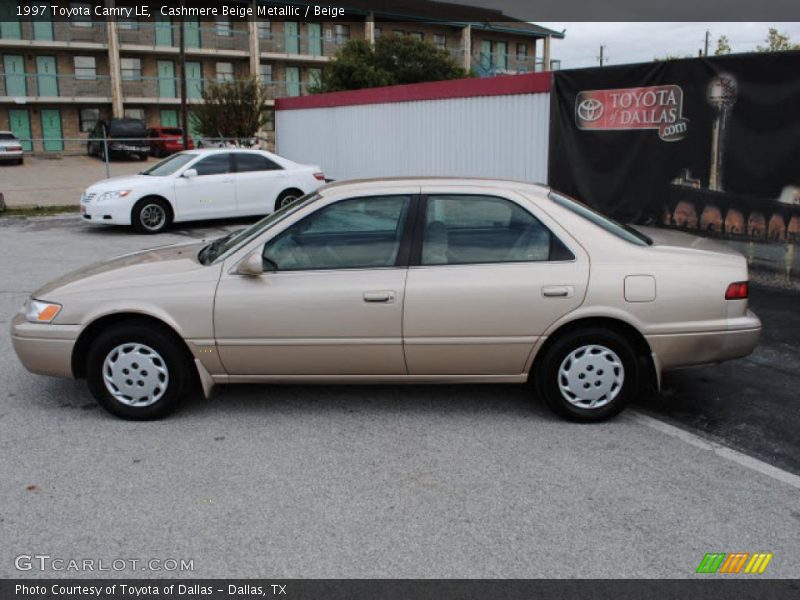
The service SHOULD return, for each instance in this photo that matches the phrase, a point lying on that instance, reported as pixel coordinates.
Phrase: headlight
(41, 312)
(113, 195)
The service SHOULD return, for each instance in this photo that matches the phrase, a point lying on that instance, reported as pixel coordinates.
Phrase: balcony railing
(487, 65)
(168, 88)
(284, 43)
(162, 34)
(46, 31)
(42, 85)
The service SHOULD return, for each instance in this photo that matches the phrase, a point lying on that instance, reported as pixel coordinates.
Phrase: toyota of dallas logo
(656, 107)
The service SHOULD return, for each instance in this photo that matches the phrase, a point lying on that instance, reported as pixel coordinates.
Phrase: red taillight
(320, 176)
(14, 148)
(738, 290)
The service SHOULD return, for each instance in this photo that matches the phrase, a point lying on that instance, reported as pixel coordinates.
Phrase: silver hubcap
(153, 216)
(135, 374)
(591, 376)
(287, 200)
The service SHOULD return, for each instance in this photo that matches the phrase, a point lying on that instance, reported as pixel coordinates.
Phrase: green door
(169, 118)
(166, 79)
(14, 67)
(191, 32)
(194, 80)
(19, 122)
(163, 31)
(291, 37)
(51, 130)
(502, 55)
(42, 30)
(314, 39)
(46, 77)
(486, 55)
(292, 81)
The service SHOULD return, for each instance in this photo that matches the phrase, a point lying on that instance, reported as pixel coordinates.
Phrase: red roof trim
(502, 85)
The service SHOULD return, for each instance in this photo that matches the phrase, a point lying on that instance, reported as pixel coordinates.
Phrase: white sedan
(200, 184)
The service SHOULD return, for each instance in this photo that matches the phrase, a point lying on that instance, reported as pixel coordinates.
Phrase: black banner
(400, 589)
(709, 145)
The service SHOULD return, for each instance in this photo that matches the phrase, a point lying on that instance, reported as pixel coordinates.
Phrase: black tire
(286, 197)
(136, 335)
(143, 215)
(550, 380)
(20, 161)
(143, 157)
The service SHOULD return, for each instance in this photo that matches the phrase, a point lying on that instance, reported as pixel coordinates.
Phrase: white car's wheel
(286, 197)
(151, 215)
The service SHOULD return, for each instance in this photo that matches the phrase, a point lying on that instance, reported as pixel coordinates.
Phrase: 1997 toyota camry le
(418, 280)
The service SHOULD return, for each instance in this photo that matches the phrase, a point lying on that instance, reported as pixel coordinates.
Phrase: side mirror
(251, 266)
(189, 173)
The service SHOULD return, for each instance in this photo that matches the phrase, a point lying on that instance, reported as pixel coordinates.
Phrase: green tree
(392, 60)
(777, 42)
(232, 109)
(723, 46)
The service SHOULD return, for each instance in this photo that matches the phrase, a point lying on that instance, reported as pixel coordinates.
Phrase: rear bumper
(14, 155)
(672, 351)
(44, 349)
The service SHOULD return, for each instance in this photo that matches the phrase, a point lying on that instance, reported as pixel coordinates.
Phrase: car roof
(9, 132)
(434, 180)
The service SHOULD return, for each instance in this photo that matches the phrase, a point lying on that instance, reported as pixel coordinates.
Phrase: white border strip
(718, 449)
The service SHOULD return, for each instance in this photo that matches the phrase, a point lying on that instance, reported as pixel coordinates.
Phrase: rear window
(7, 136)
(127, 128)
(629, 234)
(172, 132)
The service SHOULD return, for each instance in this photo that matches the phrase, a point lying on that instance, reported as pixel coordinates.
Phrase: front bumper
(45, 349)
(112, 212)
(676, 350)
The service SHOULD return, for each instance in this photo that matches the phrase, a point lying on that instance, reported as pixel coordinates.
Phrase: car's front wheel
(588, 374)
(137, 371)
(151, 215)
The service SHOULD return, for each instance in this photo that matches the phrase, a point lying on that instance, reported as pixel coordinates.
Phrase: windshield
(169, 165)
(126, 128)
(629, 234)
(220, 247)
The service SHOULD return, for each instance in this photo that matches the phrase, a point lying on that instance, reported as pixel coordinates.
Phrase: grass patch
(39, 211)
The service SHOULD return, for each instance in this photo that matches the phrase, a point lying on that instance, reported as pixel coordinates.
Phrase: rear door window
(246, 161)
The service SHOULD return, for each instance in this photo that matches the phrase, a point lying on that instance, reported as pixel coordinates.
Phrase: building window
(81, 19)
(342, 33)
(85, 67)
(222, 26)
(269, 124)
(134, 113)
(131, 68)
(378, 32)
(522, 51)
(87, 118)
(398, 32)
(128, 24)
(265, 72)
(440, 41)
(417, 35)
(224, 71)
(265, 29)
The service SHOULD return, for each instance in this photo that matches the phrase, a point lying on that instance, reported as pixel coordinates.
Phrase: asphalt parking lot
(448, 481)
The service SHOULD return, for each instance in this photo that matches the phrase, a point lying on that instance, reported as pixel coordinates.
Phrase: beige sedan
(399, 281)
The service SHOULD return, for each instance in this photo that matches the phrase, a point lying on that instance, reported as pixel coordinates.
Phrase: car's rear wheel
(588, 375)
(286, 197)
(138, 372)
(151, 215)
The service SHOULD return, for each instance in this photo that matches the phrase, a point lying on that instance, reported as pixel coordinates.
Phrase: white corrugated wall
(486, 136)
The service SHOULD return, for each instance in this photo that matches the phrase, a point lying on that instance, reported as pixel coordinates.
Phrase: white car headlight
(37, 311)
(113, 195)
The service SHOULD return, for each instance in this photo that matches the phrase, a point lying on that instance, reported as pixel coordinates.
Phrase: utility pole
(184, 122)
(708, 34)
(602, 56)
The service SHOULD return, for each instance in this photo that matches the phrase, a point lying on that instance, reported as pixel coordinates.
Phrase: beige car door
(331, 302)
(486, 281)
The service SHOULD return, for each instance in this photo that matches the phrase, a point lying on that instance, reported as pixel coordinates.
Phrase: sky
(642, 42)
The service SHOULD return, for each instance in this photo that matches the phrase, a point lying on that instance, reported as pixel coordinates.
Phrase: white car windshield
(168, 166)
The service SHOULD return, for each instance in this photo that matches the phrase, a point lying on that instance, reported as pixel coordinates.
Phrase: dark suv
(126, 138)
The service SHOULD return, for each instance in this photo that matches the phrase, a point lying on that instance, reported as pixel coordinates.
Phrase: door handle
(558, 291)
(383, 296)
(229, 180)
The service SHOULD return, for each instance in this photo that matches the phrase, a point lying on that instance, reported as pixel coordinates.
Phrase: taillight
(320, 176)
(738, 290)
